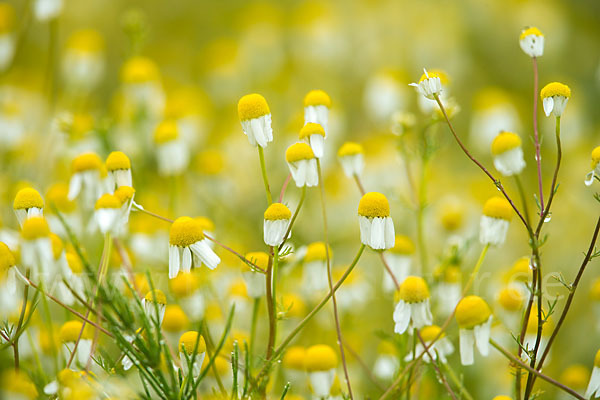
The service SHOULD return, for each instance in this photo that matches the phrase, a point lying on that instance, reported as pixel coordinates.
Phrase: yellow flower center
(156, 296)
(320, 358)
(374, 204)
(294, 358)
(35, 228)
(403, 245)
(74, 262)
(317, 98)
(28, 198)
(139, 70)
(185, 231)
(187, 343)
(350, 149)
(124, 193)
(510, 298)
(58, 195)
(252, 106)
(166, 131)
(504, 142)
(117, 160)
(595, 157)
(316, 252)
(18, 384)
(57, 245)
(428, 333)
(69, 332)
(260, 258)
(413, 290)
(530, 31)
(175, 319)
(7, 258)
(184, 284)
(85, 162)
(555, 89)
(597, 359)
(311, 129)
(207, 224)
(107, 201)
(277, 211)
(87, 41)
(498, 207)
(299, 151)
(429, 75)
(472, 311)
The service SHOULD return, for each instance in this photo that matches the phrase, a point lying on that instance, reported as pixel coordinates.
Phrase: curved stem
(263, 169)
(289, 229)
(538, 158)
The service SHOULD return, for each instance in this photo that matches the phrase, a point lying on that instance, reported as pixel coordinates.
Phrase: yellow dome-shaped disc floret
(429, 333)
(511, 299)
(117, 160)
(184, 284)
(595, 157)
(74, 262)
(472, 311)
(124, 194)
(311, 128)
(373, 205)
(35, 228)
(156, 296)
(28, 198)
(259, 258)
(403, 245)
(58, 195)
(294, 358)
(504, 142)
(530, 31)
(252, 106)
(413, 290)
(350, 149)
(502, 398)
(57, 245)
(70, 330)
(185, 231)
(86, 40)
(18, 383)
(86, 162)
(7, 258)
(299, 151)
(430, 75)
(498, 207)
(207, 224)
(107, 201)
(575, 376)
(555, 89)
(316, 252)
(166, 131)
(320, 358)
(138, 70)
(277, 211)
(175, 319)
(317, 98)
(520, 270)
(187, 343)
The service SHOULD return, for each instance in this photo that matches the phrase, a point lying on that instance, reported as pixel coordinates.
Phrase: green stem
(457, 382)
(289, 229)
(475, 270)
(255, 309)
(263, 169)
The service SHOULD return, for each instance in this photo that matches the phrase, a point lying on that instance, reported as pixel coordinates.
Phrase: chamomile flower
(441, 348)
(255, 281)
(185, 288)
(316, 110)
(74, 276)
(28, 203)
(125, 195)
(497, 213)
(174, 320)
(83, 61)
(57, 196)
(45, 10)
(171, 151)
(107, 213)
(8, 280)
(16, 385)
(399, 259)
(531, 41)
(376, 225)
(154, 304)
(142, 87)
(386, 364)
(191, 346)
(593, 388)
(118, 166)
(277, 219)
(36, 248)
(508, 153)
(474, 319)
(448, 289)
(86, 177)
(255, 117)
(430, 85)
(595, 172)
(301, 160)
(314, 135)
(314, 268)
(320, 364)
(293, 362)
(69, 333)
(412, 305)
(7, 35)
(187, 246)
(351, 156)
(555, 96)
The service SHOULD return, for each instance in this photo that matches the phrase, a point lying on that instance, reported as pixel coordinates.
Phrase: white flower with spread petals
(316, 109)
(555, 96)
(497, 213)
(187, 246)
(399, 259)
(154, 304)
(595, 172)
(320, 362)
(192, 347)
(314, 135)
(430, 84)
(118, 166)
(301, 160)
(441, 348)
(172, 152)
(593, 389)
(28, 203)
(276, 222)
(532, 42)
(351, 156)
(69, 334)
(508, 153)
(474, 319)
(376, 225)
(255, 117)
(412, 305)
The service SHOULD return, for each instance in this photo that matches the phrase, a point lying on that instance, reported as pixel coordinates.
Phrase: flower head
(155, 301)
(175, 319)
(294, 358)
(86, 175)
(595, 172)
(314, 134)
(186, 243)
(172, 152)
(531, 41)
(508, 154)
(316, 108)
(376, 225)
(413, 305)
(497, 213)
(593, 387)
(474, 321)
(430, 84)
(351, 156)
(320, 357)
(302, 163)
(119, 168)
(255, 117)
(28, 203)
(555, 96)
(191, 346)
(276, 222)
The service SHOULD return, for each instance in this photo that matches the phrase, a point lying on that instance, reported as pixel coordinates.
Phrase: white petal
(173, 261)
(75, 186)
(390, 235)
(548, 103)
(589, 179)
(51, 388)
(401, 317)
(482, 337)
(466, 346)
(365, 230)
(317, 143)
(186, 261)
(321, 382)
(312, 173)
(377, 240)
(594, 385)
(84, 350)
(203, 251)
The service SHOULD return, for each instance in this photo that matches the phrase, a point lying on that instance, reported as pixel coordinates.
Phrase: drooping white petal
(377, 239)
(84, 349)
(594, 384)
(401, 317)
(390, 234)
(466, 346)
(75, 186)
(202, 250)
(321, 382)
(317, 143)
(548, 103)
(186, 261)
(312, 173)
(589, 178)
(365, 230)
(493, 230)
(482, 337)
(174, 263)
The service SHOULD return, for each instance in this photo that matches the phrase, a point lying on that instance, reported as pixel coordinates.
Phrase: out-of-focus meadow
(103, 76)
